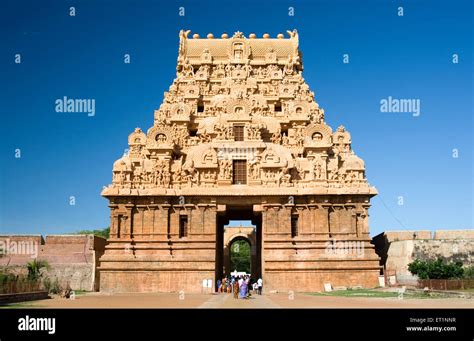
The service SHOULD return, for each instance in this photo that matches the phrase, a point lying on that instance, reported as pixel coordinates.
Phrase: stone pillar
(163, 225)
(262, 242)
(301, 226)
(312, 218)
(365, 220)
(138, 220)
(353, 218)
(152, 219)
(202, 211)
(326, 223)
(113, 221)
(190, 210)
(336, 221)
(174, 220)
(128, 223)
(286, 221)
(210, 219)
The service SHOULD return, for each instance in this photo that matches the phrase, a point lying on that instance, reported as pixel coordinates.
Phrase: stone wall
(148, 251)
(399, 248)
(331, 245)
(72, 259)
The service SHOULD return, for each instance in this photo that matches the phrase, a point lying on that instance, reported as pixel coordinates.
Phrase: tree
(34, 269)
(469, 272)
(436, 269)
(100, 233)
(240, 256)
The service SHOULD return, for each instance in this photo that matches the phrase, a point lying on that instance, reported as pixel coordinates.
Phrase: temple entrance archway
(239, 256)
(229, 235)
(240, 249)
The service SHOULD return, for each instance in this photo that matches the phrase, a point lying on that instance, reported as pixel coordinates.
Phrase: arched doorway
(239, 252)
(238, 225)
(240, 247)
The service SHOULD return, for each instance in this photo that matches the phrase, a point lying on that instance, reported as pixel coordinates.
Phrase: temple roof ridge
(238, 48)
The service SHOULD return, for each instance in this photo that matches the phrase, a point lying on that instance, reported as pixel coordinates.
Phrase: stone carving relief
(227, 82)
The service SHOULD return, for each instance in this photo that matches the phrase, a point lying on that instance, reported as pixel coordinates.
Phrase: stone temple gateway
(238, 136)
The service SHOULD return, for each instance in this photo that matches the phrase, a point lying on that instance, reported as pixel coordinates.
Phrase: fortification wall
(399, 248)
(72, 259)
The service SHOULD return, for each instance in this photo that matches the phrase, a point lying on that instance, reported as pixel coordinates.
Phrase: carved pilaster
(327, 222)
(128, 224)
(113, 221)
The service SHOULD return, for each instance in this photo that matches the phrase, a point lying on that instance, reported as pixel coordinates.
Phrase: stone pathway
(228, 301)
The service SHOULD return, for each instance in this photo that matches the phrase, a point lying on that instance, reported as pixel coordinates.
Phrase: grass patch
(373, 293)
(357, 293)
(19, 305)
(466, 290)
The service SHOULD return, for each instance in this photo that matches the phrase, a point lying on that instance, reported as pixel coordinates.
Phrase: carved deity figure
(289, 68)
(276, 137)
(254, 170)
(205, 137)
(188, 69)
(225, 169)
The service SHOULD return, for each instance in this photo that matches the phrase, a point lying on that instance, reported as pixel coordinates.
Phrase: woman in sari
(243, 289)
(223, 286)
(236, 289)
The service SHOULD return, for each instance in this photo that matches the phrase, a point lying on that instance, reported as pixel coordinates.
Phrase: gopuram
(239, 136)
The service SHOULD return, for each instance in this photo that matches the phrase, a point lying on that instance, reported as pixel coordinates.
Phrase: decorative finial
(210, 36)
(280, 36)
(266, 36)
(195, 36)
(293, 34)
(238, 34)
(252, 36)
(224, 35)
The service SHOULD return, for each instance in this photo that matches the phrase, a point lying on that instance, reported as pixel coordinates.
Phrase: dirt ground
(279, 300)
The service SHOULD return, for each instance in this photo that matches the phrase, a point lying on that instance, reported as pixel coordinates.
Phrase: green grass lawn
(19, 305)
(357, 293)
(370, 293)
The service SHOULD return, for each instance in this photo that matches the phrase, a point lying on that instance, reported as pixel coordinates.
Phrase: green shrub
(436, 269)
(100, 233)
(469, 272)
(34, 269)
(55, 287)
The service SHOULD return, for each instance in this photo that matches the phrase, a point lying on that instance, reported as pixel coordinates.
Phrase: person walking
(235, 288)
(259, 286)
(243, 289)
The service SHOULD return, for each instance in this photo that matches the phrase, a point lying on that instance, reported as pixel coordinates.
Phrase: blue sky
(71, 154)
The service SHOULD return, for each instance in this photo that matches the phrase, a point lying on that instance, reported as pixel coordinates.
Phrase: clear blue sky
(64, 155)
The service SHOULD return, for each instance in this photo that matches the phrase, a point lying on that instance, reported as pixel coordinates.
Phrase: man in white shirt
(260, 285)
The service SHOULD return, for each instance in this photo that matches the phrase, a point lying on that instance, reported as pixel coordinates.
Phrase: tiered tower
(238, 136)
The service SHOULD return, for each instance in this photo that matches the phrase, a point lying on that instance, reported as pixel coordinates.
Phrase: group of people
(240, 286)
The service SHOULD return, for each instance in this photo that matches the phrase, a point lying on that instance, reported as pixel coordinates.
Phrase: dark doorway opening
(230, 234)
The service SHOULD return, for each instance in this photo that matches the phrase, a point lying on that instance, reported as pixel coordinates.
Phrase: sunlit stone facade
(239, 136)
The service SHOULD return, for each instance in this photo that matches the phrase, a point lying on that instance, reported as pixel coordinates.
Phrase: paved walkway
(228, 301)
(280, 300)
